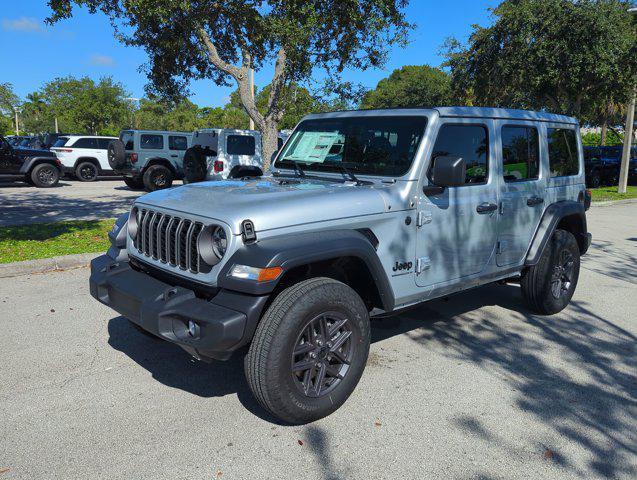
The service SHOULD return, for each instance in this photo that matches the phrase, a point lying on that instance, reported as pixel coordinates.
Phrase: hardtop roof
(451, 112)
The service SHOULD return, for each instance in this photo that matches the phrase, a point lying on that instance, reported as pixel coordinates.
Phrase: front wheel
(549, 285)
(309, 350)
(45, 175)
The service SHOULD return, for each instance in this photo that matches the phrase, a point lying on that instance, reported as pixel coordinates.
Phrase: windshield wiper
(297, 167)
(349, 173)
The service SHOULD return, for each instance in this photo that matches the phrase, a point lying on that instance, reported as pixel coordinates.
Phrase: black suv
(37, 167)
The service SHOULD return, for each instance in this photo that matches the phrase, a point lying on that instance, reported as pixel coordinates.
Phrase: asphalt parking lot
(21, 203)
(470, 387)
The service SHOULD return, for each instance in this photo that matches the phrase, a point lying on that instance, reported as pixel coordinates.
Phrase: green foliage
(605, 194)
(568, 56)
(411, 86)
(80, 106)
(592, 139)
(8, 100)
(46, 240)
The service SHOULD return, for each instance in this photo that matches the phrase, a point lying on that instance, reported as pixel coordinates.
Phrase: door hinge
(423, 218)
(422, 264)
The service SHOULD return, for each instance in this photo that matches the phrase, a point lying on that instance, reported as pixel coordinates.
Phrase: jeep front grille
(171, 240)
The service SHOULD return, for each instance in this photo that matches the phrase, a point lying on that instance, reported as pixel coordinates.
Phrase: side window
(177, 143)
(466, 141)
(152, 142)
(520, 153)
(102, 143)
(240, 145)
(562, 152)
(85, 143)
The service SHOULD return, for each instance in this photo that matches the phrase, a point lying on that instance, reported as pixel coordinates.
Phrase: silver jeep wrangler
(363, 213)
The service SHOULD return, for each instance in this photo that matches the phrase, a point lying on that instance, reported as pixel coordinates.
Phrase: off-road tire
(116, 154)
(134, 183)
(194, 165)
(157, 177)
(539, 281)
(45, 175)
(86, 172)
(268, 364)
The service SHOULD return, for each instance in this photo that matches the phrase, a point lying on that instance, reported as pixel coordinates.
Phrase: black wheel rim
(160, 179)
(46, 176)
(562, 277)
(88, 172)
(322, 354)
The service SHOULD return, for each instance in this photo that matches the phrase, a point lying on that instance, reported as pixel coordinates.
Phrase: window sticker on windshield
(313, 146)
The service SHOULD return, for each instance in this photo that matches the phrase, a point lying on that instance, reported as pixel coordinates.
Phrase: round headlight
(219, 242)
(133, 223)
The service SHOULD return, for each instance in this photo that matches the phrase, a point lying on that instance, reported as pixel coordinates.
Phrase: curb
(44, 265)
(613, 202)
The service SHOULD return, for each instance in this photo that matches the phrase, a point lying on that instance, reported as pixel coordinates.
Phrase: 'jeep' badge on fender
(400, 266)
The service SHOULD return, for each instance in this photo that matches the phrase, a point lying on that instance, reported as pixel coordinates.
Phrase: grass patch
(604, 194)
(46, 240)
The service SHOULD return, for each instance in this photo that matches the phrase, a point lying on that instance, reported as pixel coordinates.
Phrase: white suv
(83, 156)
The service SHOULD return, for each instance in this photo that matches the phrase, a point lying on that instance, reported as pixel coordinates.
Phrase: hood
(270, 202)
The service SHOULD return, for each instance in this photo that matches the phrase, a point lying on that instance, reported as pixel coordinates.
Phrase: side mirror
(449, 171)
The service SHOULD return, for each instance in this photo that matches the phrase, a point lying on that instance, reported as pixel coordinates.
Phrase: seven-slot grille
(169, 239)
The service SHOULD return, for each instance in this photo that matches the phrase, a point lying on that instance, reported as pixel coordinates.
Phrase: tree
(8, 100)
(220, 41)
(560, 55)
(411, 86)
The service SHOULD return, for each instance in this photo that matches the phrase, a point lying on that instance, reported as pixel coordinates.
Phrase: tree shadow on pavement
(574, 372)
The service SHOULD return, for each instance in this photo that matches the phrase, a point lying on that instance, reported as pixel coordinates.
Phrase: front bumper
(223, 323)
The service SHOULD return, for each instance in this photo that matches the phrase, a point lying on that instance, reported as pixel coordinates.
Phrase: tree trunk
(602, 142)
(269, 141)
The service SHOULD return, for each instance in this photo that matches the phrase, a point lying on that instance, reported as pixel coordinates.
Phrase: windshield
(382, 145)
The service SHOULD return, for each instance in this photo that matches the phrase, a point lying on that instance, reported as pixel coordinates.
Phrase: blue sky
(84, 46)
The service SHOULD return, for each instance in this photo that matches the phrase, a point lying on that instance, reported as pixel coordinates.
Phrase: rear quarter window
(177, 142)
(152, 142)
(563, 157)
(240, 145)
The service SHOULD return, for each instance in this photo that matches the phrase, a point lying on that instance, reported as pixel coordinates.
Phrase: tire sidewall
(85, 165)
(194, 166)
(151, 174)
(38, 168)
(325, 298)
(560, 241)
(116, 154)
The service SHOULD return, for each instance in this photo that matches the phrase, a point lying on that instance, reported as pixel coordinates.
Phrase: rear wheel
(86, 172)
(45, 175)
(549, 285)
(157, 177)
(309, 350)
(134, 183)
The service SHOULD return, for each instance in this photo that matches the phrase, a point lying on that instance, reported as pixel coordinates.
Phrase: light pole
(16, 110)
(628, 134)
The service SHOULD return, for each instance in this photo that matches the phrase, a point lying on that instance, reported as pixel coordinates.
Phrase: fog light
(193, 329)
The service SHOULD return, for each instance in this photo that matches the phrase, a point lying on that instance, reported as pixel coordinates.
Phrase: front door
(457, 228)
(522, 188)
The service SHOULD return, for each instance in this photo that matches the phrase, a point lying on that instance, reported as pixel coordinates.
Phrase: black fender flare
(29, 163)
(295, 250)
(553, 215)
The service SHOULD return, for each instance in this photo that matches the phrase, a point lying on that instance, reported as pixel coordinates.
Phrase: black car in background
(40, 168)
(602, 165)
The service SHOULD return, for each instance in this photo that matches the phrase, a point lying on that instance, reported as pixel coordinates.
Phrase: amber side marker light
(256, 274)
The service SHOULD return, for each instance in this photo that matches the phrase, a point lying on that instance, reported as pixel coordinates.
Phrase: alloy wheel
(562, 276)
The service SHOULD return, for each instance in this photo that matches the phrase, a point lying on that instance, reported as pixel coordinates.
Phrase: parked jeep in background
(363, 214)
(218, 153)
(83, 157)
(149, 159)
(40, 168)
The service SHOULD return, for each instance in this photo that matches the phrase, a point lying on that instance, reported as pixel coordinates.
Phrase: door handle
(486, 207)
(174, 156)
(531, 202)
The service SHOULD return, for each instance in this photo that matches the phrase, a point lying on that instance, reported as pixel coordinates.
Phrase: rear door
(10, 162)
(177, 145)
(522, 185)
